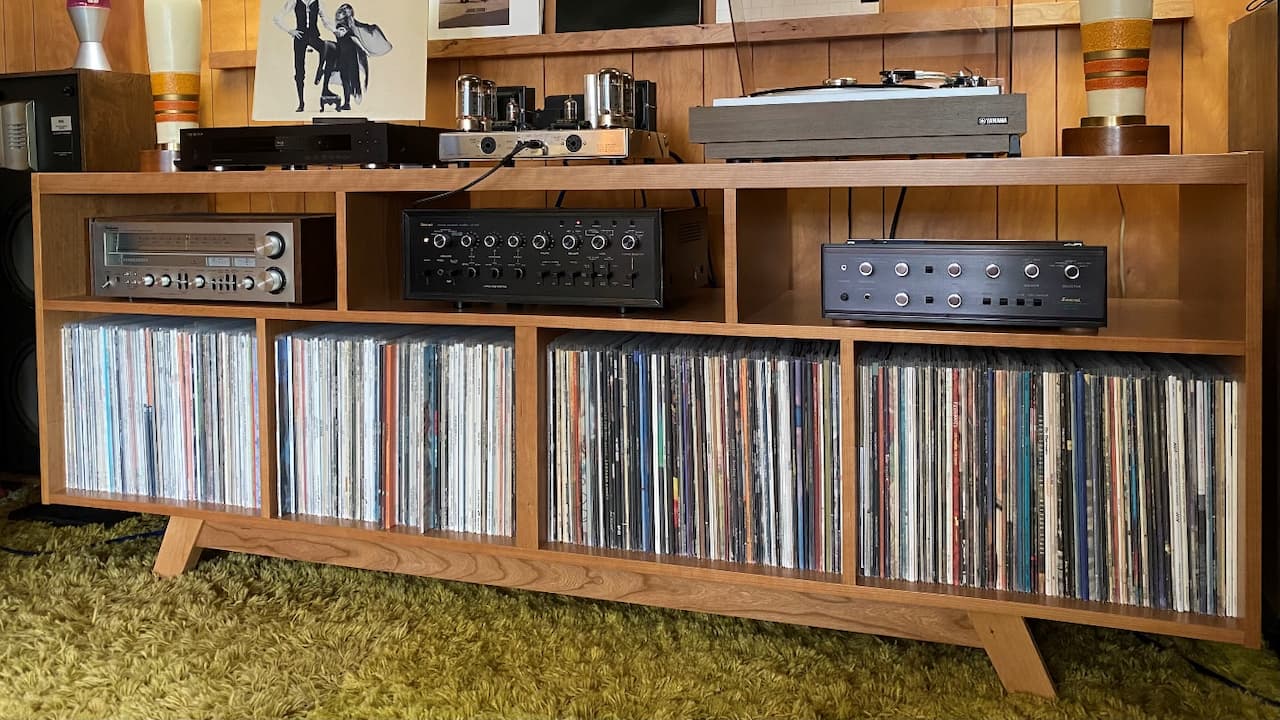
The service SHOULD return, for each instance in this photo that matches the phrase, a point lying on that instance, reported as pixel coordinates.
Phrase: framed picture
(341, 58)
(453, 19)
(790, 9)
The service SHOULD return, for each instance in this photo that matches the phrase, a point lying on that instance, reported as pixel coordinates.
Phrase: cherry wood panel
(178, 550)
(1013, 653)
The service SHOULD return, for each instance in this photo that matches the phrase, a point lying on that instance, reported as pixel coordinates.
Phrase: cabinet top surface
(1218, 169)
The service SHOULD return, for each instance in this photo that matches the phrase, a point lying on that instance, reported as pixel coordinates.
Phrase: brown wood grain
(849, 480)
(227, 27)
(1014, 654)
(531, 440)
(1031, 213)
(1204, 111)
(563, 74)
(17, 28)
(861, 59)
(55, 39)
(178, 550)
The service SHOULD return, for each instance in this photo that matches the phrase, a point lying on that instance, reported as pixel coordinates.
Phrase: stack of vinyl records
(1092, 476)
(404, 425)
(718, 448)
(162, 407)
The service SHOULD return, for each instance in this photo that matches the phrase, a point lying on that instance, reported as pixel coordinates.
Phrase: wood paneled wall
(1188, 92)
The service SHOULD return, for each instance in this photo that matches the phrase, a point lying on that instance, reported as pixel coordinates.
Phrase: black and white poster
(357, 58)
(453, 19)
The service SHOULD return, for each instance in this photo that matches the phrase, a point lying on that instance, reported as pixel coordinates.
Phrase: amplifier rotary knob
(472, 272)
(270, 245)
(599, 242)
(514, 241)
(1032, 271)
(629, 242)
(993, 271)
(467, 241)
(440, 240)
(954, 300)
(1072, 272)
(865, 269)
(247, 283)
(569, 242)
(490, 241)
(540, 242)
(954, 270)
(199, 281)
(273, 281)
(901, 269)
(149, 280)
(495, 273)
(902, 299)
(165, 281)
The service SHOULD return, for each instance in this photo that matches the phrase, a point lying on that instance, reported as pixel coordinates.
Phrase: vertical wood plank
(268, 478)
(126, 39)
(1031, 213)
(1204, 111)
(179, 552)
(860, 213)
(19, 35)
(55, 39)
(849, 480)
(531, 437)
(504, 71)
(441, 78)
(1014, 654)
(231, 94)
(227, 25)
(563, 75)
(4, 54)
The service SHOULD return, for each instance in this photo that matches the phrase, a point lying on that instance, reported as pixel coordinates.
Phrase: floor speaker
(19, 419)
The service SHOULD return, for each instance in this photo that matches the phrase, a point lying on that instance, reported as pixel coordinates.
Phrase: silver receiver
(229, 258)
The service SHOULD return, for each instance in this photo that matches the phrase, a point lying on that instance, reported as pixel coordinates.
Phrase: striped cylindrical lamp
(173, 51)
(1115, 37)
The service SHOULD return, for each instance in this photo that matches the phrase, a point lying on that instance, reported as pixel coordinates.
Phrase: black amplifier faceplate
(354, 143)
(1006, 283)
(622, 258)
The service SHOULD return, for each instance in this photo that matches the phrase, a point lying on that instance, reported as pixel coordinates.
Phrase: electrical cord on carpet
(1208, 671)
(124, 538)
(520, 145)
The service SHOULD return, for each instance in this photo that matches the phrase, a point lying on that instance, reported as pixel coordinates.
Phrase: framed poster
(452, 19)
(354, 58)
(790, 9)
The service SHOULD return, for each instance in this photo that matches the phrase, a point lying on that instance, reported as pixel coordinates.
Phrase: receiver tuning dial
(271, 245)
(514, 241)
(599, 242)
(569, 242)
(629, 242)
(272, 281)
(490, 241)
(540, 242)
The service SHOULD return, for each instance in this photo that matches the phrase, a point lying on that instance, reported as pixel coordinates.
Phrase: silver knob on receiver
(901, 269)
(199, 281)
(866, 269)
(902, 299)
(954, 270)
(149, 280)
(247, 283)
(270, 245)
(993, 271)
(272, 281)
(954, 300)
(165, 281)
(1032, 271)
(1072, 272)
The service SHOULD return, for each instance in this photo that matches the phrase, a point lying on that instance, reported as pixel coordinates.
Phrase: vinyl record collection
(162, 407)
(718, 448)
(1091, 476)
(429, 409)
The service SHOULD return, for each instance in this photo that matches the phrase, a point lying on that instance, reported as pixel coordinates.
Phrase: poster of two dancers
(335, 58)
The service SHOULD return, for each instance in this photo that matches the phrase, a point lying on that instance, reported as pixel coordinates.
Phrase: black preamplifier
(621, 258)
(939, 281)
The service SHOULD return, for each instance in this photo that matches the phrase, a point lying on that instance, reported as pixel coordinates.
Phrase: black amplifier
(367, 144)
(621, 258)
(941, 281)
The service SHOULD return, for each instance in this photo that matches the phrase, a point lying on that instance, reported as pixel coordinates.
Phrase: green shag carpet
(87, 632)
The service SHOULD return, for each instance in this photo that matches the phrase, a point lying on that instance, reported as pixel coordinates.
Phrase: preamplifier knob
(1072, 272)
(954, 270)
(599, 242)
(472, 271)
(866, 268)
(569, 242)
(495, 273)
(954, 300)
(490, 241)
(272, 281)
(518, 272)
(540, 242)
(149, 280)
(270, 245)
(199, 281)
(514, 241)
(993, 271)
(629, 242)
(440, 240)
(165, 281)
(1032, 271)
(247, 283)
(901, 269)
(902, 299)
(467, 241)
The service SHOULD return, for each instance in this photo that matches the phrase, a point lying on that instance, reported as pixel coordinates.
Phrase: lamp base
(92, 56)
(1116, 140)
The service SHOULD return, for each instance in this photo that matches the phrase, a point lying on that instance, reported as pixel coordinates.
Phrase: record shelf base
(1004, 637)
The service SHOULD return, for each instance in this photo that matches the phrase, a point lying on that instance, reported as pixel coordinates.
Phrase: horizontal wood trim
(1215, 169)
(496, 563)
(1025, 15)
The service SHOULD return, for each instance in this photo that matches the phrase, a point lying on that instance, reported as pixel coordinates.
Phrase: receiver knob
(495, 273)
(272, 281)
(1032, 271)
(247, 283)
(599, 242)
(148, 280)
(271, 245)
(514, 241)
(165, 281)
(569, 242)
(901, 269)
(866, 269)
(472, 271)
(540, 242)
(954, 270)
(954, 300)
(993, 271)
(198, 281)
(440, 240)
(467, 241)
(1071, 271)
(902, 299)
(490, 241)
(518, 272)
(629, 242)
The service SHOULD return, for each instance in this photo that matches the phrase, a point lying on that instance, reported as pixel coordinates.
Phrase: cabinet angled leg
(178, 550)
(1014, 654)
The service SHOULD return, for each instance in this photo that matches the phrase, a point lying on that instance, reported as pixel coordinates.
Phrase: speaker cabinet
(19, 420)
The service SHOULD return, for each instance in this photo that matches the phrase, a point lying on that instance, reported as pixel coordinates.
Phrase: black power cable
(36, 553)
(520, 145)
(897, 213)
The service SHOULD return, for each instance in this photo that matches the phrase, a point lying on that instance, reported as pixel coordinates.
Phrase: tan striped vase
(1115, 36)
(173, 50)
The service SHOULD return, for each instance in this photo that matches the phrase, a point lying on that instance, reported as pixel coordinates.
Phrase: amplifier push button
(954, 270)
(148, 280)
(953, 300)
(1032, 271)
(866, 269)
(902, 299)
(901, 269)
(1072, 272)
(993, 271)
(165, 281)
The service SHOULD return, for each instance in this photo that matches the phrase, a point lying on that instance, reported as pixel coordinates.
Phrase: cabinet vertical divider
(531, 435)
(849, 479)
(730, 280)
(343, 285)
(267, 437)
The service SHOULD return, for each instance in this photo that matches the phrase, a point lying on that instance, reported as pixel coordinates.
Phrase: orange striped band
(177, 118)
(180, 106)
(1119, 54)
(1130, 65)
(1115, 34)
(1115, 83)
(175, 83)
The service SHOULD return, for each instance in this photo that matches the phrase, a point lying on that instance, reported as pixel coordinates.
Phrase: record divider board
(1217, 313)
